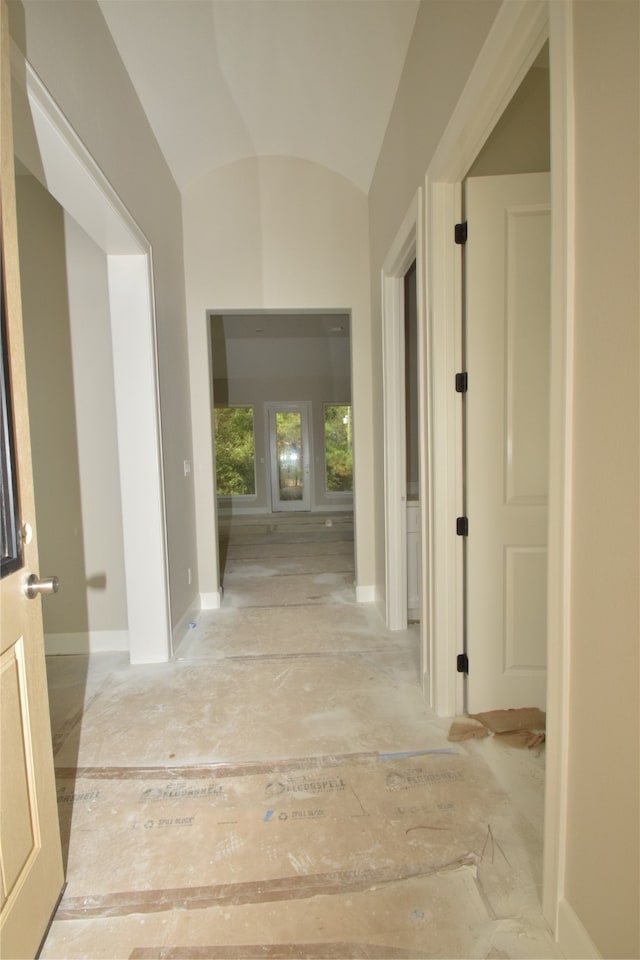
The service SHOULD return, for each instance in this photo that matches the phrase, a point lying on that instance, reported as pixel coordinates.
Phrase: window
(235, 451)
(338, 447)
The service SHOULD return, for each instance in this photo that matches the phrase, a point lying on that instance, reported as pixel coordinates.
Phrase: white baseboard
(573, 939)
(366, 594)
(211, 601)
(92, 641)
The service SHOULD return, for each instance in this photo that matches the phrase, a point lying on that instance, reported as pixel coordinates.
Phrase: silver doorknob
(34, 586)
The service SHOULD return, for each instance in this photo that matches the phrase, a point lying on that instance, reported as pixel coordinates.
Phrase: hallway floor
(281, 790)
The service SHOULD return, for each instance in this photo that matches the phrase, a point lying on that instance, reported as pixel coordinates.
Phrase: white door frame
(407, 247)
(51, 150)
(304, 407)
(518, 33)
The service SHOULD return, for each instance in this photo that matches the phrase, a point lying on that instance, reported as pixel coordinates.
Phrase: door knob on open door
(34, 586)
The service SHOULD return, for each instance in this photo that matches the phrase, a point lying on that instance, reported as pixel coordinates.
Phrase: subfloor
(281, 789)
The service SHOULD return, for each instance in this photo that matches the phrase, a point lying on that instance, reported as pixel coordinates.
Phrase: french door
(289, 455)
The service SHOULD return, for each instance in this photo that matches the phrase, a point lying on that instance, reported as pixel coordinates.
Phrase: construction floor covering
(281, 789)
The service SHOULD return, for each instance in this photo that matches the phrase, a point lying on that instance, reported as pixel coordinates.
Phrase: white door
(289, 456)
(31, 862)
(507, 263)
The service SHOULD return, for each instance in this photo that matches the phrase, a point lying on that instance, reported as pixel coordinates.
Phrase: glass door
(289, 448)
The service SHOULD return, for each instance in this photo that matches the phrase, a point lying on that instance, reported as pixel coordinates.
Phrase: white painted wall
(276, 357)
(277, 233)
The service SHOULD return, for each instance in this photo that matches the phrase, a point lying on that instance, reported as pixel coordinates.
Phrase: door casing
(517, 35)
(408, 246)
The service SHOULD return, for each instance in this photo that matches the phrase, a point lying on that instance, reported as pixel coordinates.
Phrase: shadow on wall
(56, 471)
(75, 465)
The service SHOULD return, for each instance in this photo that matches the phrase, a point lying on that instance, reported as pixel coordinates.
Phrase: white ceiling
(223, 80)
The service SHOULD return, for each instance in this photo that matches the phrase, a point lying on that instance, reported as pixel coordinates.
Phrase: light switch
(187, 468)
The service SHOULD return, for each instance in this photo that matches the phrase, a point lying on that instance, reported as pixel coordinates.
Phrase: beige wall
(72, 412)
(45, 306)
(95, 418)
(71, 49)
(603, 845)
(277, 233)
(445, 44)
(521, 140)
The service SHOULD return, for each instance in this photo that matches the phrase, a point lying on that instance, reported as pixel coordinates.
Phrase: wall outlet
(189, 574)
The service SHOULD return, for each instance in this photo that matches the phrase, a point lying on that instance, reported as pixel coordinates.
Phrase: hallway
(281, 789)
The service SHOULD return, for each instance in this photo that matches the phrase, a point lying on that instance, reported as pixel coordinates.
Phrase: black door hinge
(460, 233)
(462, 663)
(462, 382)
(462, 526)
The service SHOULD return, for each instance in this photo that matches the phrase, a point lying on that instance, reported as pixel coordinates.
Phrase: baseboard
(573, 939)
(211, 601)
(92, 641)
(366, 594)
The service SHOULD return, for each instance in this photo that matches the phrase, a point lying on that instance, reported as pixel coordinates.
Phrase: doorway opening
(406, 437)
(516, 40)
(284, 378)
(47, 147)
(412, 446)
(506, 439)
(505, 263)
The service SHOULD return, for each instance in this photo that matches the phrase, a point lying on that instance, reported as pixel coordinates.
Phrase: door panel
(19, 842)
(289, 449)
(527, 354)
(507, 259)
(30, 854)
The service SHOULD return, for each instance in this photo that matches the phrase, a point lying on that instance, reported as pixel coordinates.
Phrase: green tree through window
(338, 447)
(235, 451)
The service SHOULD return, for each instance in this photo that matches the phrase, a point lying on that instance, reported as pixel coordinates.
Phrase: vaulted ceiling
(223, 80)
